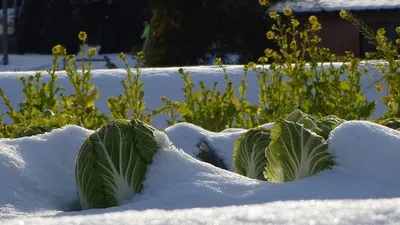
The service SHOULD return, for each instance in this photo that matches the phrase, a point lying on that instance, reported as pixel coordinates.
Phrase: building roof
(335, 5)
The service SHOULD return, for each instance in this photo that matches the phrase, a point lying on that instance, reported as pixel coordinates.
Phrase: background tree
(114, 24)
(183, 31)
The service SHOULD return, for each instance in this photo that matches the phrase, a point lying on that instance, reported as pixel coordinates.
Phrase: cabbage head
(295, 152)
(249, 153)
(112, 163)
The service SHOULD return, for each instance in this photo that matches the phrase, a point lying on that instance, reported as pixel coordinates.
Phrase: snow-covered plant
(295, 152)
(112, 162)
(327, 124)
(249, 153)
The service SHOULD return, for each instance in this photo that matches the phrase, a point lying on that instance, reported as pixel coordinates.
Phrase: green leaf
(304, 119)
(344, 85)
(327, 124)
(295, 153)
(112, 163)
(249, 153)
(184, 110)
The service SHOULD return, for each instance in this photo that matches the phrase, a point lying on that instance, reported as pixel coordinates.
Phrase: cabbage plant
(327, 124)
(295, 152)
(112, 163)
(304, 119)
(249, 153)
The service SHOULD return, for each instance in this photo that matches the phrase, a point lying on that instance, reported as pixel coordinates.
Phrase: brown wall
(340, 35)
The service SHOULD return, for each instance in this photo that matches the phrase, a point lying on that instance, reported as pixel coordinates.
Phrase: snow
(38, 184)
(335, 5)
(363, 188)
(39, 62)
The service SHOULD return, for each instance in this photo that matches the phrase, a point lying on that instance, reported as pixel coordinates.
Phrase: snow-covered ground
(38, 187)
(38, 62)
(37, 173)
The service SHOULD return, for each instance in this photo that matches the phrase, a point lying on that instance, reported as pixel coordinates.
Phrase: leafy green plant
(112, 162)
(295, 153)
(297, 77)
(388, 50)
(82, 101)
(249, 153)
(327, 124)
(131, 104)
(209, 108)
(393, 123)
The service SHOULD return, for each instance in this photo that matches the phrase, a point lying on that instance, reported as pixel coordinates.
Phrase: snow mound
(37, 173)
(367, 150)
(37, 176)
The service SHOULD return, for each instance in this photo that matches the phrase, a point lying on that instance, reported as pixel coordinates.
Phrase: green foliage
(327, 124)
(393, 123)
(81, 103)
(298, 79)
(249, 153)
(389, 51)
(295, 153)
(209, 108)
(131, 104)
(112, 163)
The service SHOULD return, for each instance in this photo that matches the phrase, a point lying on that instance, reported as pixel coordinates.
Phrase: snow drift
(37, 187)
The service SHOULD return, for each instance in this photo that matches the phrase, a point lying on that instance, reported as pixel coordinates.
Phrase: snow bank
(367, 150)
(37, 173)
(38, 187)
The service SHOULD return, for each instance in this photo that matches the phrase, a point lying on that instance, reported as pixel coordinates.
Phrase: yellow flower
(378, 88)
(263, 2)
(59, 50)
(398, 41)
(295, 22)
(313, 20)
(140, 55)
(263, 59)
(82, 36)
(273, 15)
(121, 56)
(56, 49)
(316, 26)
(270, 35)
(217, 61)
(92, 52)
(268, 52)
(343, 14)
(398, 30)
(287, 11)
(70, 58)
(251, 65)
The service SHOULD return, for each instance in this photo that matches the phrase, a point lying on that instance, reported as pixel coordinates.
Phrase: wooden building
(340, 35)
